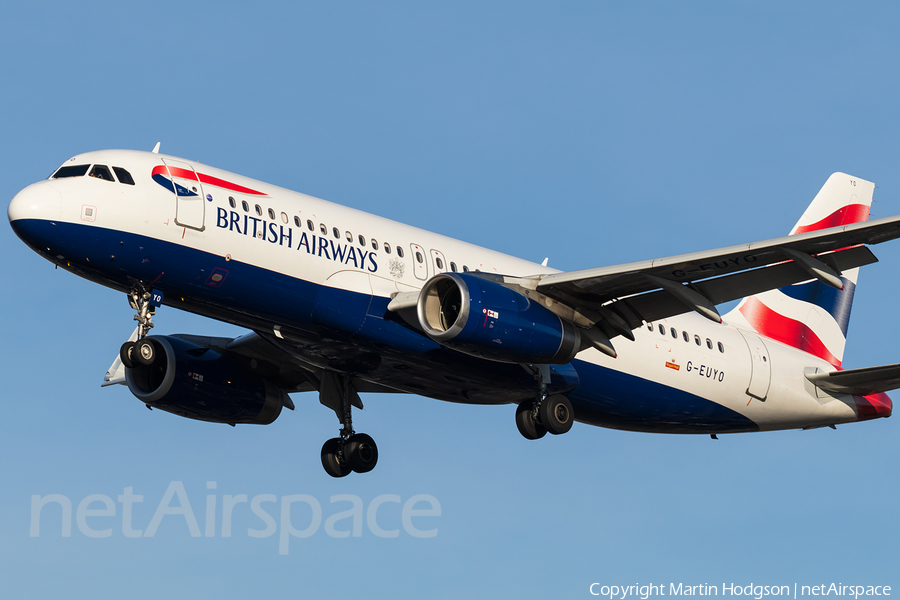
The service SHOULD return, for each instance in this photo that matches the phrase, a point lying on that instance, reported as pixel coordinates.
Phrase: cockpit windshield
(123, 175)
(98, 172)
(102, 172)
(71, 171)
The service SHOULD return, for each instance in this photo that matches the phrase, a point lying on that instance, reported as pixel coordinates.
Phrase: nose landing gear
(142, 351)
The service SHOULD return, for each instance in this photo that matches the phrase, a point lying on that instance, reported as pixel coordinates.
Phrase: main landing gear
(141, 351)
(545, 413)
(351, 451)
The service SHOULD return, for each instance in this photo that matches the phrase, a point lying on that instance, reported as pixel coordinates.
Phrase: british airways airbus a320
(340, 302)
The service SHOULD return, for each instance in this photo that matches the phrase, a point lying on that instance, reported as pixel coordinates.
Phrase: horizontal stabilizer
(858, 382)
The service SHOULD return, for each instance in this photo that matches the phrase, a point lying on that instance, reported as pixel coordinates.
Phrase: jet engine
(485, 319)
(199, 383)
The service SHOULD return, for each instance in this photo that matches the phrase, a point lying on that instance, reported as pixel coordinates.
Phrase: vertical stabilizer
(812, 316)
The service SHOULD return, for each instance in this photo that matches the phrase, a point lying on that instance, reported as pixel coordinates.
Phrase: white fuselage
(272, 230)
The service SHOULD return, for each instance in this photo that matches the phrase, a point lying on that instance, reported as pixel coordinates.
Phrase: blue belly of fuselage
(342, 330)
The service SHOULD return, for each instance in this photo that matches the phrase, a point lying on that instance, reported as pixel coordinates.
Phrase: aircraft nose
(38, 201)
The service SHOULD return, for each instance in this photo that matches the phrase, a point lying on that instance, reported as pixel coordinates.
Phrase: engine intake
(199, 383)
(485, 319)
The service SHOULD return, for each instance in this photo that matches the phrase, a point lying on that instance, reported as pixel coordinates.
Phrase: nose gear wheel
(142, 351)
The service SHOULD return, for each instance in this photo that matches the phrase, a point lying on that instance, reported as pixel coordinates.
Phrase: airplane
(341, 302)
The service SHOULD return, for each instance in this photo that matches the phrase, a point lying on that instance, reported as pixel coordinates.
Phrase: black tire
(126, 354)
(528, 427)
(556, 414)
(144, 352)
(333, 466)
(361, 453)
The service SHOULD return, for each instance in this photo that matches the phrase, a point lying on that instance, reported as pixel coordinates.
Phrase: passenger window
(649, 326)
(231, 202)
(349, 236)
(440, 263)
(685, 336)
(245, 206)
(722, 348)
(453, 266)
(419, 257)
(662, 330)
(271, 214)
(259, 210)
(124, 176)
(673, 332)
(322, 229)
(400, 251)
(337, 234)
(465, 269)
(101, 172)
(297, 221)
(697, 339)
(362, 241)
(387, 247)
(709, 343)
(374, 244)
(71, 171)
(309, 225)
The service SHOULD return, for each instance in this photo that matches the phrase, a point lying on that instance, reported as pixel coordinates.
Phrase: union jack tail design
(812, 316)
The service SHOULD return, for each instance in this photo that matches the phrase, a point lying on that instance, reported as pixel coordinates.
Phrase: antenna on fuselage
(156, 148)
(546, 260)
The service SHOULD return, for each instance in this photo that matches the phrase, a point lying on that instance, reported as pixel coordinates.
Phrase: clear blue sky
(594, 133)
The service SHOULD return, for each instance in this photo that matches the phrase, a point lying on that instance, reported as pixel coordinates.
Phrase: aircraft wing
(620, 298)
(276, 363)
(259, 355)
(858, 382)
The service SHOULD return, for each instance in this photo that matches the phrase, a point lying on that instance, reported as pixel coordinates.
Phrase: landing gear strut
(545, 413)
(351, 451)
(142, 351)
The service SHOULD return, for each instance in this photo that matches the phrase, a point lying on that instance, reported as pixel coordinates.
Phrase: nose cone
(38, 201)
(32, 211)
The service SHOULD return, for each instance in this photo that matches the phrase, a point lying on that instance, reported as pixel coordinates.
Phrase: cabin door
(760, 366)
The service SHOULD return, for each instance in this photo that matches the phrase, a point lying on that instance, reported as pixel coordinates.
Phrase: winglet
(115, 375)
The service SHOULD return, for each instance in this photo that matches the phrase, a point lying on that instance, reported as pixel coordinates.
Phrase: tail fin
(812, 316)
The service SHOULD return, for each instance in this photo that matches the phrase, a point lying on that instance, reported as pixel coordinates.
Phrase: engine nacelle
(199, 383)
(485, 319)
